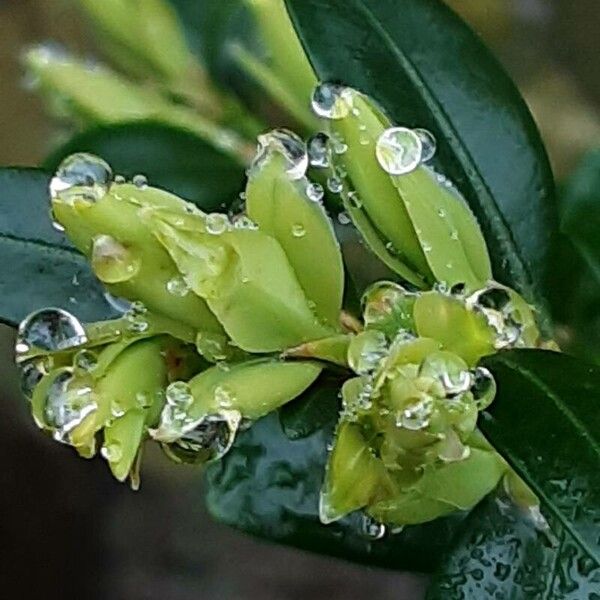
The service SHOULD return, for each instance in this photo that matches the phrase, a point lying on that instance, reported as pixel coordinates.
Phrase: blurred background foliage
(66, 527)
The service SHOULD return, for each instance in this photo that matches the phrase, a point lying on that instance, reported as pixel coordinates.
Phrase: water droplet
(85, 361)
(116, 408)
(315, 192)
(120, 305)
(344, 218)
(81, 177)
(31, 373)
(209, 440)
(224, 396)
(49, 329)
(112, 262)
(318, 150)
(112, 453)
(428, 142)
(298, 230)
(416, 415)
(399, 150)
(179, 394)
(334, 184)
(287, 144)
(120, 179)
(451, 449)
(483, 388)
(331, 101)
(58, 227)
(372, 529)
(244, 222)
(135, 318)
(140, 181)
(366, 351)
(68, 403)
(354, 199)
(216, 223)
(177, 286)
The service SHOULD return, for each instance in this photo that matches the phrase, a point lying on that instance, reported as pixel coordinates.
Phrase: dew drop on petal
(416, 415)
(287, 144)
(344, 218)
(331, 101)
(372, 529)
(112, 452)
(81, 177)
(140, 181)
(399, 150)
(298, 230)
(49, 329)
(334, 184)
(112, 262)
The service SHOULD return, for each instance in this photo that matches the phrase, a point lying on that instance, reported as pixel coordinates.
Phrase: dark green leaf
(172, 159)
(40, 268)
(580, 210)
(546, 423)
(427, 69)
(268, 485)
(500, 554)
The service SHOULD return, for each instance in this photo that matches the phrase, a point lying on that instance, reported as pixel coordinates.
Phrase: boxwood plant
(311, 247)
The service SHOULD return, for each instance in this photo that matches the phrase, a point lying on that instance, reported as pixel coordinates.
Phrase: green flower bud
(246, 280)
(287, 75)
(425, 224)
(105, 221)
(201, 418)
(354, 477)
(145, 34)
(286, 206)
(98, 95)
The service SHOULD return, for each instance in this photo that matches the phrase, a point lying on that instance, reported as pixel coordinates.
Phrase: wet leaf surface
(427, 69)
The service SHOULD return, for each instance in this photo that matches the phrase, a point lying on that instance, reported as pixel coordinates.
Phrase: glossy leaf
(427, 69)
(268, 485)
(40, 267)
(500, 554)
(580, 210)
(171, 158)
(545, 422)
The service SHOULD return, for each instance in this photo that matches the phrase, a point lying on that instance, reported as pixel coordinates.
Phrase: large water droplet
(318, 150)
(429, 144)
(112, 262)
(81, 177)
(31, 373)
(209, 440)
(287, 144)
(331, 101)
(399, 150)
(68, 403)
(49, 329)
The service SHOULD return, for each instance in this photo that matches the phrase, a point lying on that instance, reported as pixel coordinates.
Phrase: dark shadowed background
(67, 530)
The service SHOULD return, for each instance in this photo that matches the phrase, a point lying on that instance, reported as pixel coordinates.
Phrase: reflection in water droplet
(49, 329)
(68, 403)
(112, 453)
(428, 142)
(334, 184)
(85, 361)
(483, 388)
(177, 286)
(315, 192)
(81, 177)
(298, 230)
(354, 200)
(140, 181)
(318, 151)
(112, 262)
(287, 144)
(416, 415)
(344, 218)
(217, 223)
(331, 101)
(209, 440)
(371, 529)
(399, 150)
(31, 372)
